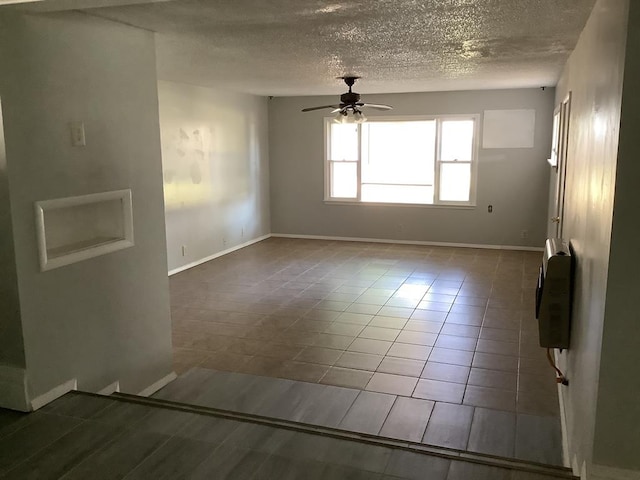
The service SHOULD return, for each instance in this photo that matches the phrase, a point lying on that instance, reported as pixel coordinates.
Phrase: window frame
(437, 203)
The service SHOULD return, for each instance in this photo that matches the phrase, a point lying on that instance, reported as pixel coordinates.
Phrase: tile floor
(531, 438)
(451, 325)
(80, 437)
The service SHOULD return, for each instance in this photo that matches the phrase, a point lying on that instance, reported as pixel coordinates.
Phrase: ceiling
(299, 47)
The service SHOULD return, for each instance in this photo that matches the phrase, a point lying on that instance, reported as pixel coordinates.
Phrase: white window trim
(406, 118)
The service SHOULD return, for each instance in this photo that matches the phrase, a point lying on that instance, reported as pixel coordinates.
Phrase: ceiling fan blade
(376, 106)
(350, 102)
(310, 109)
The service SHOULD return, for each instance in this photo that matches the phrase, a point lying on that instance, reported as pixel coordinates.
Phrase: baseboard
(351, 239)
(409, 242)
(13, 388)
(218, 254)
(602, 472)
(593, 472)
(109, 389)
(566, 456)
(154, 387)
(54, 393)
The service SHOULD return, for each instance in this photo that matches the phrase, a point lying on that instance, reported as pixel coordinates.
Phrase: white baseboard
(602, 472)
(154, 387)
(584, 471)
(351, 239)
(54, 393)
(13, 388)
(566, 456)
(409, 242)
(218, 254)
(109, 389)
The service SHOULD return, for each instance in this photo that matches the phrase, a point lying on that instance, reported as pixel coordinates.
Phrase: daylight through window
(427, 161)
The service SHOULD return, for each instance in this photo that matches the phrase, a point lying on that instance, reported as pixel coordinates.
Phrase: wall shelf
(73, 229)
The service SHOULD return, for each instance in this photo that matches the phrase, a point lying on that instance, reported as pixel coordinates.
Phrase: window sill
(413, 205)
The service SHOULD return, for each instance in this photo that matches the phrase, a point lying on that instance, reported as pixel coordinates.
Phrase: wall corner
(13, 389)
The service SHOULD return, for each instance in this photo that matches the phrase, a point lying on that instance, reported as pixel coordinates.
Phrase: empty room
(388, 240)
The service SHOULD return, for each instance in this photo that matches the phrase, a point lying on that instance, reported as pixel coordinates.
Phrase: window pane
(398, 152)
(455, 182)
(397, 194)
(344, 141)
(457, 140)
(344, 179)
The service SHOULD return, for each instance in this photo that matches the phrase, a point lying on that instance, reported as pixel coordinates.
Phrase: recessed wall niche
(73, 229)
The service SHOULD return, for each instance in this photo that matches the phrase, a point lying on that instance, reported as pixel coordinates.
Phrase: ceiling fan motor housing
(350, 98)
(349, 102)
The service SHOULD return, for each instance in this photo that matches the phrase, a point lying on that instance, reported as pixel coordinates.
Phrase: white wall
(107, 318)
(216, 170)
(617, 432)
(514, 181)
(594, 75)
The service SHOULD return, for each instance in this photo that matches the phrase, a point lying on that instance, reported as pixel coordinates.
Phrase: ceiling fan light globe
(341, 117)
(359, 117)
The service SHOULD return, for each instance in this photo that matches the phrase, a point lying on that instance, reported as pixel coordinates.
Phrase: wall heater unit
(553, 295)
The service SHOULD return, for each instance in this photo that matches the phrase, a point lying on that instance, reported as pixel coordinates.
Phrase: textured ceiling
(298, 47)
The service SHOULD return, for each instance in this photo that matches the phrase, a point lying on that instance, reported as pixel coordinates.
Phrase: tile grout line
(387, 416)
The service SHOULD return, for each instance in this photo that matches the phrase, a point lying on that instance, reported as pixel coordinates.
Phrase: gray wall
(11, 344)
(216, 170)
(107, 318)
(12, 361)
(617, 434)
(514, 181)
(594, 75)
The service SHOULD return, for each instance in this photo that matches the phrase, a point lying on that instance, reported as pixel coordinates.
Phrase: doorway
(558, 160)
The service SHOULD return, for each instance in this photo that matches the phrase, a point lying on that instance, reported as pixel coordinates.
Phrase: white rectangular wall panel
(509, 128)
(77, 228)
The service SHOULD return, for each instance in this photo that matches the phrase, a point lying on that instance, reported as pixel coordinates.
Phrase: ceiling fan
(350, 105)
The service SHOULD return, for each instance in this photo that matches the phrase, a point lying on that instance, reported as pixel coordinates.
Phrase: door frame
(563, 113)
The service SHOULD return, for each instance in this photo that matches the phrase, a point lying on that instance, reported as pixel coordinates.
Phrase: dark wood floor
(452, 325)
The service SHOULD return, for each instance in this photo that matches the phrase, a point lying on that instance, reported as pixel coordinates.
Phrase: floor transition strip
(442, 452)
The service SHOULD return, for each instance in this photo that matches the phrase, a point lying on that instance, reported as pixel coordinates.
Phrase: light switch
(77, 134)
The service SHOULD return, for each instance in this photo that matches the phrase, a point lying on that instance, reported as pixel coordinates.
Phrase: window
(404, 161)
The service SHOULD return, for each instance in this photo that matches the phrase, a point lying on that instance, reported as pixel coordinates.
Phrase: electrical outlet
(184, 250)
(242, 233)
(524, 234)
(224, 242)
